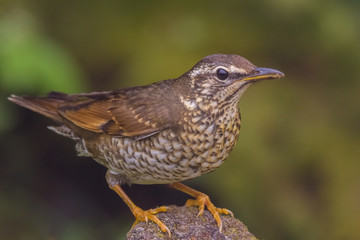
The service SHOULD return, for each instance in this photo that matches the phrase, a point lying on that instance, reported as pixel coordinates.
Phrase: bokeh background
(294, 173)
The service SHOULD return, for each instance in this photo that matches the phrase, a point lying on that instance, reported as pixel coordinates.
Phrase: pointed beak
(263, 73)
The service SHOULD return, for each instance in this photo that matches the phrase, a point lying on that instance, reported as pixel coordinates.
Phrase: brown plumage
(161, 133)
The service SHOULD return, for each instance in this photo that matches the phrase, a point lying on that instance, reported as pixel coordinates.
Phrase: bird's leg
(201, 201)
(139, 214)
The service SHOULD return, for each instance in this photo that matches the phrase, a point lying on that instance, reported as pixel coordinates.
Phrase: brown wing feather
(90, 115)
(125, 113)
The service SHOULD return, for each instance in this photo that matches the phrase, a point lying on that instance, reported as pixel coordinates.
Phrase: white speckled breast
(200, 147)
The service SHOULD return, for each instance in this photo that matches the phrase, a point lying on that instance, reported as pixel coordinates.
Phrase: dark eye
(222, 74)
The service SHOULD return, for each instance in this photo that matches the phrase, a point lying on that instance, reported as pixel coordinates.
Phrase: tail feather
(46, 106)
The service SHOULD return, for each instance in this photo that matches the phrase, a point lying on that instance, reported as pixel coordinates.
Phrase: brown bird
(162, 133)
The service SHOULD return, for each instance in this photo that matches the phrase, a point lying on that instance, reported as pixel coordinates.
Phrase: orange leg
(141, 215)
(201, 201)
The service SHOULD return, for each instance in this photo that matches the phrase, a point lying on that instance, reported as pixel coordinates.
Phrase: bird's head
(224, 77)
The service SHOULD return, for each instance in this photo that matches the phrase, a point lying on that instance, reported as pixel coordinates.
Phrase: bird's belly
(162, 158)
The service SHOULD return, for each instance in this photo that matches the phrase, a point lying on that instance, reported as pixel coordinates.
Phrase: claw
(139, 214)
(144, 216)
(203, 200)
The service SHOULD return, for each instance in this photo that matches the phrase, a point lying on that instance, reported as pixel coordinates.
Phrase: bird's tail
(46, 106)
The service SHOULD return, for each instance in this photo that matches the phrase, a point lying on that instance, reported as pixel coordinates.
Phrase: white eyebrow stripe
(232, 69)
(236, 69)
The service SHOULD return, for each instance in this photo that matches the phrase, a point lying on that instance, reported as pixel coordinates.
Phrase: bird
(162, 133)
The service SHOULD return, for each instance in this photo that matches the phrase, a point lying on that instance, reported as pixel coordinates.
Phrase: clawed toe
(144, 216)
(203, 200)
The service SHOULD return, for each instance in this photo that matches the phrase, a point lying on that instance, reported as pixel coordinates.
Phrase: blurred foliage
(295, 171)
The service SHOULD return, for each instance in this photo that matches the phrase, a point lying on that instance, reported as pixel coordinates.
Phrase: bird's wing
(116, 113)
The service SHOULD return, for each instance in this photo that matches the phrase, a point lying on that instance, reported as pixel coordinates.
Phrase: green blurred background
(294, 173)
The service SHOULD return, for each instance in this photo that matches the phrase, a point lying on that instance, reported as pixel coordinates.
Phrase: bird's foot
(203, 200)
(143, 216)
(139, 214)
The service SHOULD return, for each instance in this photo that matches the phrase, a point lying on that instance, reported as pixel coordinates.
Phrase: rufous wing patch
(112, 115)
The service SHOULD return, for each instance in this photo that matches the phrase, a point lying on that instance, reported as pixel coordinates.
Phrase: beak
(263, 73)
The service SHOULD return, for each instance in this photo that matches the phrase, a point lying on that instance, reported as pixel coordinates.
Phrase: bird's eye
(222, 74)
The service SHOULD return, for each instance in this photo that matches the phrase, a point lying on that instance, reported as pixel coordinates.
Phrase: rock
(184, 223)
